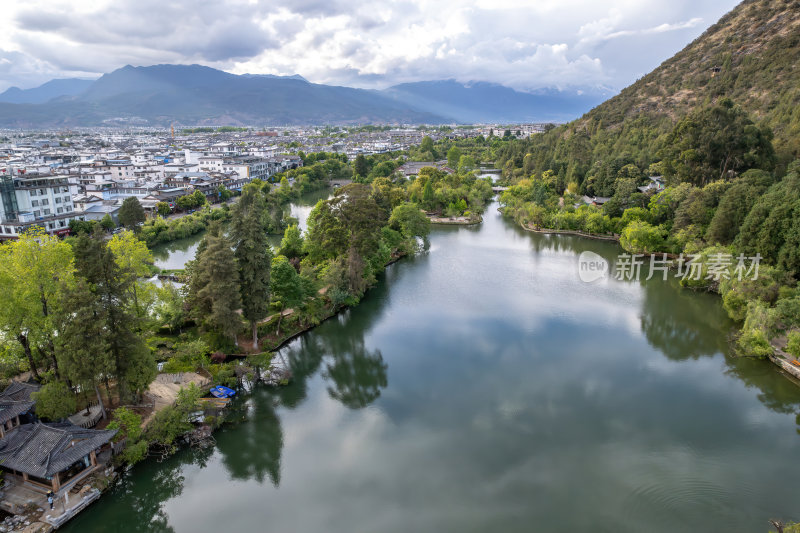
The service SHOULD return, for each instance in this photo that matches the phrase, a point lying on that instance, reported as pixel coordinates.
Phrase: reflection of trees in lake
(681, 323)
(253, 450)
(136, 504)
(685, 325)
(304, 357)
(357, 373)
(358, 376)
(776, 392)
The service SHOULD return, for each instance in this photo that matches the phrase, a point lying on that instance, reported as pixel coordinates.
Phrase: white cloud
(523, 44)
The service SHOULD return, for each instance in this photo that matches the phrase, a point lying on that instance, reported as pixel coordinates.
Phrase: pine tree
(84, 352)
(110, 286)
(253, 255)
(214, 295)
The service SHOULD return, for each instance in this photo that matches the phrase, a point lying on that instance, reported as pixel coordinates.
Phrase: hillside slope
(751, 56)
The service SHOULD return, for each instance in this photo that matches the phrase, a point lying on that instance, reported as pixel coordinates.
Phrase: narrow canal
(483, 387)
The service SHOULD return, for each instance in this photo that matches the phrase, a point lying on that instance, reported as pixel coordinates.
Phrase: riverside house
(53, 457)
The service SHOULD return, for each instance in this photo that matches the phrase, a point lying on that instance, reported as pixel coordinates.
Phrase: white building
(28, 200)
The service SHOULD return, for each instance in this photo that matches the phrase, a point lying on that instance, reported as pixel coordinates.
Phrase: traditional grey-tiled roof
(16, 400)
(18, 392)
(10, 410)
(42, 450)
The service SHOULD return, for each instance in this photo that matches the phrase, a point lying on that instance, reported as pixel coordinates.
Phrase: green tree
(427, 147)
(793, 344)
(84, 352)
(286, 286)
(410, 221)
(134, 260)
(735, 204)
(361, 166)
(453, 157)
(223, 194)
(772, 227)
(199, 198)
(131, 214)
(292, 242)
(34, 272)
(214, 295)
(427, 194)
(641, 237)
(253, 255)
(129, 427)
(163, 209)
(712, 142)
(54, 401)
(173, 422)
(169, 307)
(107, 223)
(466, 163)
(110, 286)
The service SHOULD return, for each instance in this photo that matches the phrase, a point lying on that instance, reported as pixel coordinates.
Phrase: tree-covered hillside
(749, 56)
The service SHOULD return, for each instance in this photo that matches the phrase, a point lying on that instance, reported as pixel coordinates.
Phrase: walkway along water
(483, 387)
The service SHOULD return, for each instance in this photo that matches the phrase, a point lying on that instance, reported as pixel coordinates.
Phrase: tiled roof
(18, 392)
(42, 450)
(16, 400)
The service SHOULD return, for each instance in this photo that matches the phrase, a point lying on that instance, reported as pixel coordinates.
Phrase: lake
(481, 386)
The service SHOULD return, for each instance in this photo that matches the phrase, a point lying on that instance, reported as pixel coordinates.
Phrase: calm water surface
(482, 387)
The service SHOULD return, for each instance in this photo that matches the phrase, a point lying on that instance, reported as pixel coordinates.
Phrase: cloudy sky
(525, 44)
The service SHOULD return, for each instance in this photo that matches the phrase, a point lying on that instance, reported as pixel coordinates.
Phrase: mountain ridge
(200, 95)
(480, 101)
(45, 92)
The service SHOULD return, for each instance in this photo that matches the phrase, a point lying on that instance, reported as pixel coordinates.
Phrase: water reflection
(358, 375)
(681, 324)
(252, 450)
(615, 406)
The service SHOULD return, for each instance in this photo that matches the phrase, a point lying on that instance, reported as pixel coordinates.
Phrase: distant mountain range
(44, 93)
(490, 102)
(198, 95)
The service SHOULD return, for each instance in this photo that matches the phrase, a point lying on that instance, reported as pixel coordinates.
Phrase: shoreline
(334, 312)
(456, 221)
(776, 357)
(576, 233)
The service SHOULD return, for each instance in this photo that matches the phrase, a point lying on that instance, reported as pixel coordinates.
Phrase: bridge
(499, 189)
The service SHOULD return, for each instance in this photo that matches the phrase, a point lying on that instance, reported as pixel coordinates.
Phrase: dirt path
(164, 390)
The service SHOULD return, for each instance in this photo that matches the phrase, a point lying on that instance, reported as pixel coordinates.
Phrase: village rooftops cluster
(51, 178)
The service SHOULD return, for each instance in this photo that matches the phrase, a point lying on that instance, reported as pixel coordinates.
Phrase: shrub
(753, 343)
(54, 401)
(793, 344)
